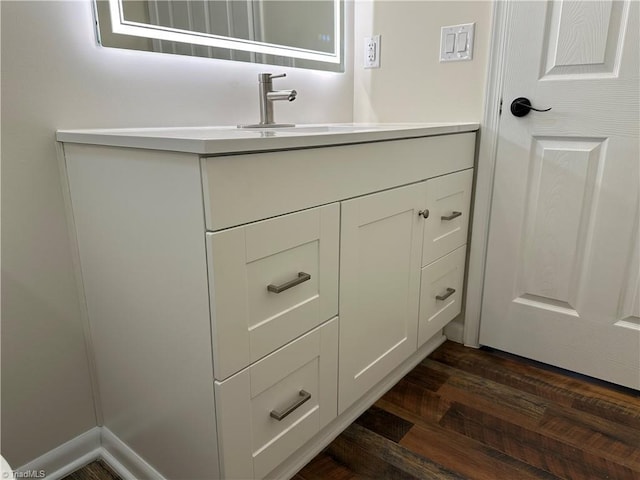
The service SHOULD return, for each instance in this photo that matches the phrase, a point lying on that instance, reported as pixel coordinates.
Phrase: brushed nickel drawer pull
(304, 396)
(450, 291)
(302, 277)
(451, 217)
(424, 213)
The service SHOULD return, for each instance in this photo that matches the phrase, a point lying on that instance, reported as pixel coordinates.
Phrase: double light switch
(456, 43)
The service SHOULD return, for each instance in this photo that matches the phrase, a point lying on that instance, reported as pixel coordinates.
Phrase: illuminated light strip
(121, 26)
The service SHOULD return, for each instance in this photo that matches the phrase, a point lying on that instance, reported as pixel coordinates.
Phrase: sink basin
(310, 129)
(339, 128)
(314, 129)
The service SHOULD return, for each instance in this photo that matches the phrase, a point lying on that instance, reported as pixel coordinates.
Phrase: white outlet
(372, 52)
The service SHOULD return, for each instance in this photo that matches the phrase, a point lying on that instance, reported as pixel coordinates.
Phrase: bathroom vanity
(250, 292)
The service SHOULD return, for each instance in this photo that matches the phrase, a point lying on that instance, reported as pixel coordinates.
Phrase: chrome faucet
(267, 97)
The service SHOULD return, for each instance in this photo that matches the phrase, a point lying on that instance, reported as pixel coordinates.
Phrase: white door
(381, 244)
(562, 275)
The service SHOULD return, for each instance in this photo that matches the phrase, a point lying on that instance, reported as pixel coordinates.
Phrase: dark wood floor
(98, 470)
(476, 414)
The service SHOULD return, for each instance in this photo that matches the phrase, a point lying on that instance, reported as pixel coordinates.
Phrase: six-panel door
(381, 244)
(562, 271)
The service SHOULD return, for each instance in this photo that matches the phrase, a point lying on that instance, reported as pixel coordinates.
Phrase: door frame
(485, 169)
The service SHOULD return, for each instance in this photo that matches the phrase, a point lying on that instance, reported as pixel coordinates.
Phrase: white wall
(55, 76)
(412, 85)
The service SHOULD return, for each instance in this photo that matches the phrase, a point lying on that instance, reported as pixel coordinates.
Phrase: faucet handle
(266, 77)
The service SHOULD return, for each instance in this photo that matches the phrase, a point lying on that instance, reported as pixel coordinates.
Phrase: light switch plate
(463, 42)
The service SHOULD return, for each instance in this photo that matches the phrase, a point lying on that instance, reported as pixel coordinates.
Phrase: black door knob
(521, 106)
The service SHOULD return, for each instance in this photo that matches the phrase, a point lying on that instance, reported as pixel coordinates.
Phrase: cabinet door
(381, 241)
(271, 282)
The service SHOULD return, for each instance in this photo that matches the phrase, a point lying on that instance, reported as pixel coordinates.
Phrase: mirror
(294, 33)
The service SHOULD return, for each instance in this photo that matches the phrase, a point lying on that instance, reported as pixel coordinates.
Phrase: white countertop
(222, 140)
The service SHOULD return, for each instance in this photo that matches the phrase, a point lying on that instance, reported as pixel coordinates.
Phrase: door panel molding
(584, 53)
(558, 225)
(629, 311)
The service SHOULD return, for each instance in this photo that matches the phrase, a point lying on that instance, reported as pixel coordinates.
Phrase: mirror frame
(120, 25)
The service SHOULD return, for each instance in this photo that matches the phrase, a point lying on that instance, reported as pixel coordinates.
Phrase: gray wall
(55, 76)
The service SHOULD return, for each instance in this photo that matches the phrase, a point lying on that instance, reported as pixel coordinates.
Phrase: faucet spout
(289, 95)
(267, 96)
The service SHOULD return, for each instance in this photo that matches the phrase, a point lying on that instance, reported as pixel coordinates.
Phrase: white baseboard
(66, 458)
(127, 463)
(96, 443)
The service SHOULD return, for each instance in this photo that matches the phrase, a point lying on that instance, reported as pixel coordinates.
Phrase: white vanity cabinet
(247, 299)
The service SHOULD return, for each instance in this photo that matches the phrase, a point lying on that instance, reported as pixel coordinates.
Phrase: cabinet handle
(450, 291)
(302, 277)
(424, 213)
(451, 217)
(304, 396)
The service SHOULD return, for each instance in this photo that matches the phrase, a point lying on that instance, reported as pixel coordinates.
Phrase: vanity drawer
(448, 201)
(302, 374)
(270, 282)
(243, 188)
(440, 293)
